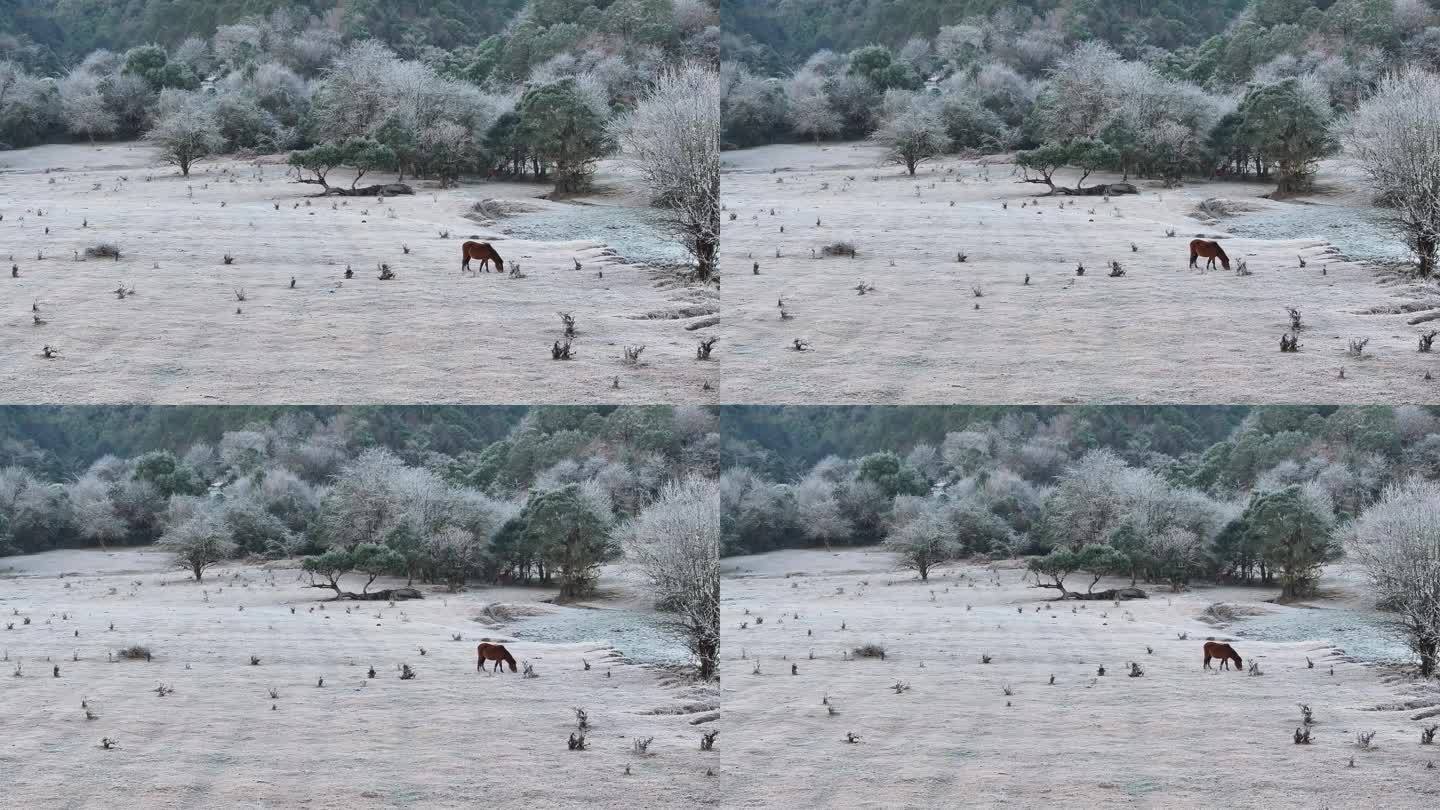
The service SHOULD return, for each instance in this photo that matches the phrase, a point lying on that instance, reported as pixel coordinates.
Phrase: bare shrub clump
(871, 650)
(135, 652)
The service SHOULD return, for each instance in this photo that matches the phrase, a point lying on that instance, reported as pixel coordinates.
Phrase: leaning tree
(672, 141)
(1395, 137)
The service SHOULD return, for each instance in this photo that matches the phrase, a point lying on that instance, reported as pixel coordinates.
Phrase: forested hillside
(280, 481)
(776, 35)
(60, 32)
(60, 441)
(783, 442)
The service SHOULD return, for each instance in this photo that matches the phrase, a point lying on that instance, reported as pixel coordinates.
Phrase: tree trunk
(386, 595)
(1427, 650)
(1425, 247)
(910, 165)
(705, 250)
(708, 653)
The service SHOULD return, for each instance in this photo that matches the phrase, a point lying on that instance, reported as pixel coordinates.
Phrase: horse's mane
(1219, 251)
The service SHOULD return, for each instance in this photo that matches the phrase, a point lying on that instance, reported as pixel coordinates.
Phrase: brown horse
(485, 253)
(1226, 654)
(493, 652)
(1210, 250)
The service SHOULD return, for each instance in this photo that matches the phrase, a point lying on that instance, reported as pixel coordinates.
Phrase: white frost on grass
(430, 335)
(447, 738)
(1160, 333)
(1176, 737)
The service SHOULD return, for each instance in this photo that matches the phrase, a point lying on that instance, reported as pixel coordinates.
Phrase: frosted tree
(675, 544)
(925, 541)
(819, 511)
(1078, 99)
(83, 106)
(809, 110)
(453, 555)
(1397, 542)
(1394, 136)
(672, 141)
(361, 505)
(197, 543)
(237, 44)
(95, 516)
(958, 45)
(912, 133)
(354, 96)
(186, 135)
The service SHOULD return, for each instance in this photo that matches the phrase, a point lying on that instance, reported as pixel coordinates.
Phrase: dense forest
(1029, 480)
(86, 475)
(56, 33)
(776, 35)
(783, 442)
(59, 442)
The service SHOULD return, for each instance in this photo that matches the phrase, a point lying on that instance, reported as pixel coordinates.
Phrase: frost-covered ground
(451, 737)
(1176, 737)
(430, 335)
(1160, 333)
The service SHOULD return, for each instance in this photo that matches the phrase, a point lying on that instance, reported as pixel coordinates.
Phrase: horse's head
(499, 263)
(1224, 261)
(1239, 665)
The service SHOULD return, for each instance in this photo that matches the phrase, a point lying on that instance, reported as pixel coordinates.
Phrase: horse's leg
(1207, 660)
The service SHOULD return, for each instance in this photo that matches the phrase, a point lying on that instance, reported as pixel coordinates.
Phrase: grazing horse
(485, 253)
(493, 652)
(1210, 250)
(1226, 654)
